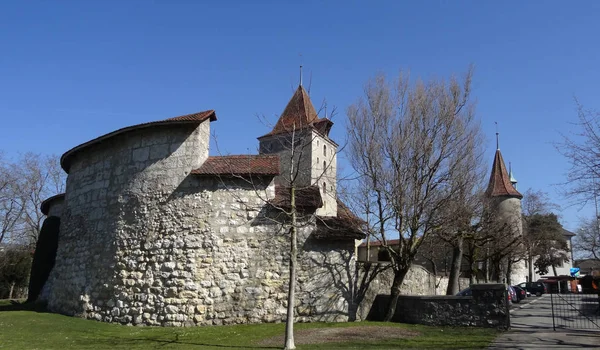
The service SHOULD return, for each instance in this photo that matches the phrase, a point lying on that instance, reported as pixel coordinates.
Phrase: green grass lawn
(29, 329)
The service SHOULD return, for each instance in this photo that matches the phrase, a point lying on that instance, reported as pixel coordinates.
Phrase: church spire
(500, 184)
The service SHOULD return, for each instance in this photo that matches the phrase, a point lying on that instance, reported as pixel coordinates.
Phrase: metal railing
(575, 311)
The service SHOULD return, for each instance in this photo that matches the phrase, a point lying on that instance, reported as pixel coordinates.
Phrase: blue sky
(73, 70)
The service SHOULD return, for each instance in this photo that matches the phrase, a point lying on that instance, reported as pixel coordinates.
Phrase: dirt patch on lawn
(343, 334)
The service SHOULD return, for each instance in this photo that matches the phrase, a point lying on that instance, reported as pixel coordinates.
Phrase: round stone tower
(505, 204)
(122, 189)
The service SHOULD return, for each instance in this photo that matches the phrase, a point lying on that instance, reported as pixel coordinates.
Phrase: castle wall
(111, 189)
(281, 144)
(144, 243)
(56, 207)
(509, 211)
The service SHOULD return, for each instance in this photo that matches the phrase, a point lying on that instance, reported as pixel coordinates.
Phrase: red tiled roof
(377, 243)
(499, 181)
(346, 225)
(307, 198)
(300, 114)
(263, 165)
(45, 207)
(194, 118)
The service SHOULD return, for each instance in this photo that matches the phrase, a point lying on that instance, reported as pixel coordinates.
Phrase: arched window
(325, 150)
(324, 165)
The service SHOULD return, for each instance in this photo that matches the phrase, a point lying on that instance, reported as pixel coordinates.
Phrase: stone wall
(418, 281)
(486, 308)
(143, 242)
(56, 207)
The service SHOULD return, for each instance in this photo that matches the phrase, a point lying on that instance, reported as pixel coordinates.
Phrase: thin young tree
(304, 199)
(407, 144)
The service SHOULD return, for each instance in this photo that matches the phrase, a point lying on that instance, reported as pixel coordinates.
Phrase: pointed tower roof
(299, 114)
(500, 184)
(511, 177)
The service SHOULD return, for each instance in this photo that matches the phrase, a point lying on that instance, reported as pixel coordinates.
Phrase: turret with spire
(505, 203)
(299, 129)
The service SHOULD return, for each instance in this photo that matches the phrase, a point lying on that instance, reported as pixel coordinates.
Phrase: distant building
(588, 266)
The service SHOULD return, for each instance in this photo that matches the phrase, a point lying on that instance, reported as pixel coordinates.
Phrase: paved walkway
(531, 328)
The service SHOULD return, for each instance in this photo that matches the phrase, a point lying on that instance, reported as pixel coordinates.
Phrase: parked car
(521, 293)
(465, 292)
(537, 288)
(512, 295)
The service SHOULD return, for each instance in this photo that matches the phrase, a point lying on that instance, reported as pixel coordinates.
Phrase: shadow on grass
(15, 305)
(158, 342)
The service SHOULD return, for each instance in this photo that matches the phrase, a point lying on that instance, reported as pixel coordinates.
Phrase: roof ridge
(198, 117)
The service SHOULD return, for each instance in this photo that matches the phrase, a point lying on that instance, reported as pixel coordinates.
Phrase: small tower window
(325, 150)
(324, 165)
(324, 188)
(318, 160)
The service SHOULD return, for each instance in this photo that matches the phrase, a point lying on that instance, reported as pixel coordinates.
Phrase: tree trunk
(12, 288)
(554, 270)
(509, 266)
(457, 252)
(395, 293)
(486, 277)
(530, 265)
(289, 326)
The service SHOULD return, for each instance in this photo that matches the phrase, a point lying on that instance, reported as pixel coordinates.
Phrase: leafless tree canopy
(24, 184)
(412, 147)
(587, 241)
(582, 150)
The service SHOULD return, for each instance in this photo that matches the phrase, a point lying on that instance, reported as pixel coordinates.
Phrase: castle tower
(505, 197)
(505, 202)
(308, 157)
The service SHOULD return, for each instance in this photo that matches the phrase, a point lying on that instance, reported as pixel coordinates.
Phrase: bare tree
(458, 217)
(12, 201)
(307, 183)
(539, 233)
(582, 151)
(24, 185)
(408, 144)
(587, 241)
(41, 178)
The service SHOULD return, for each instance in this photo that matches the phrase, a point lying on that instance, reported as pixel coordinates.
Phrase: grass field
(30, 329)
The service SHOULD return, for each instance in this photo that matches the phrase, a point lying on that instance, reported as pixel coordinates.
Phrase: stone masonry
(146, 241)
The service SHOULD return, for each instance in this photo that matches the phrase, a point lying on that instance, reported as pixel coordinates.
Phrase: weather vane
(497, 137)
